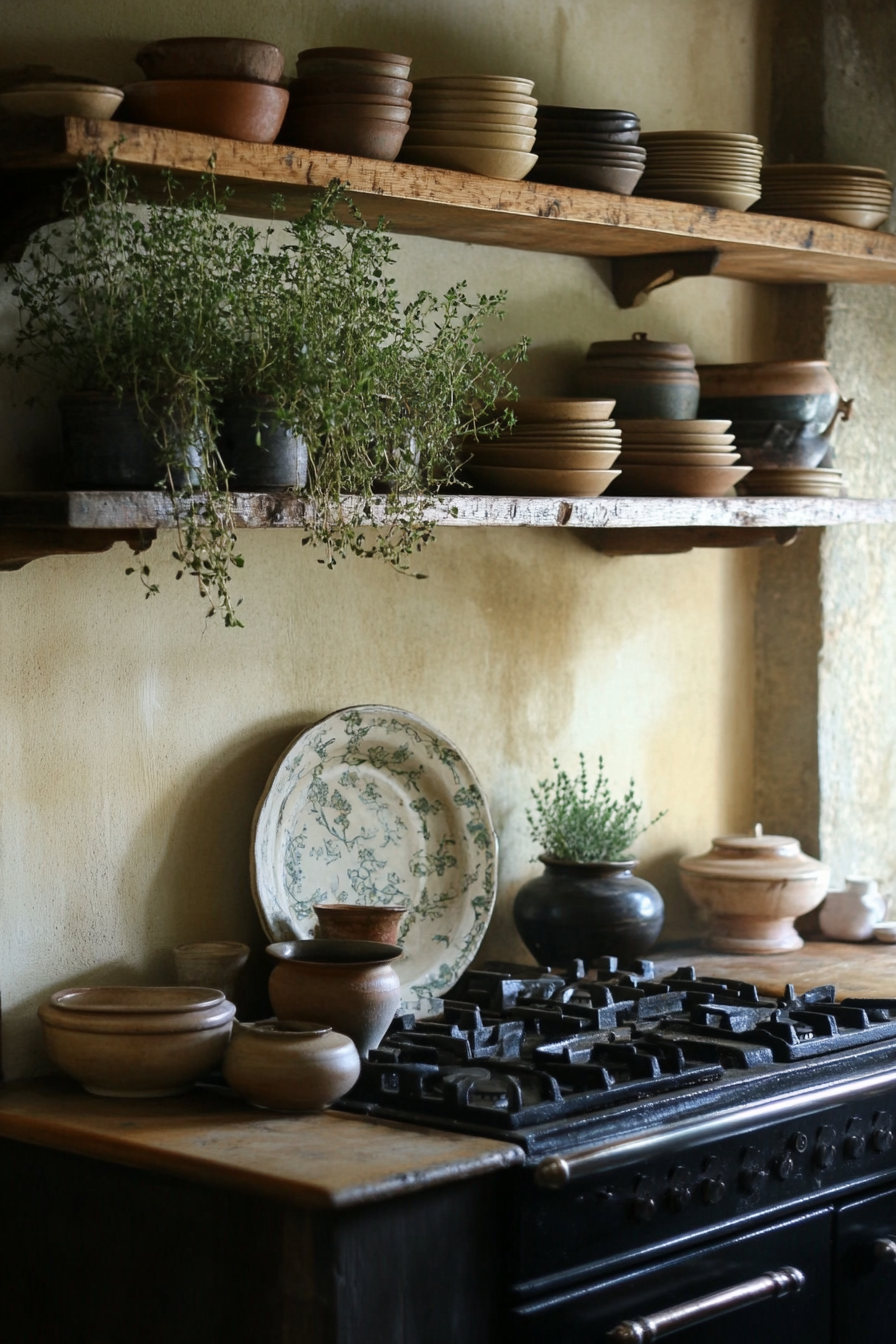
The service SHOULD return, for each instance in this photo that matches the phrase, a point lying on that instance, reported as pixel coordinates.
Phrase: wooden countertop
(857, 969)
(321, 1160)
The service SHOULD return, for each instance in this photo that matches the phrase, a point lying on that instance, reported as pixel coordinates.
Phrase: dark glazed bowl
(230, 108)
(211, 58)
(589, 176)
(366, 137)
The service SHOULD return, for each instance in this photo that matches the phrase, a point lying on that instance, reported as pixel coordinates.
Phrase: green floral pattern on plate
(373, 806)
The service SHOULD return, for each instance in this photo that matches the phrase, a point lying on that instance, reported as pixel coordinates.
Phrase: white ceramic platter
(371, 805)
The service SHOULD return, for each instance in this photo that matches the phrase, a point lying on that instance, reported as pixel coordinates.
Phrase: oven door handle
(646, 1329)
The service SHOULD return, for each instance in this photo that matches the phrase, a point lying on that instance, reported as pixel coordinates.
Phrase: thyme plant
(582, 823)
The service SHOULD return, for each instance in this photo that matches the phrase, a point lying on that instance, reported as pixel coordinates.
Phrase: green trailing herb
(584, 823)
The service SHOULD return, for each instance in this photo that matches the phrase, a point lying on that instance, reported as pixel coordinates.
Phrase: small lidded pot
(753, 887)
(290, 1066)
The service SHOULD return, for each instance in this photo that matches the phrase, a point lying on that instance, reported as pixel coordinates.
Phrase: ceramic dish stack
(591, 148)
(223, 86)
(677, 457)
(705, 167)
(559, 446)
(349, 100)
(37, 91)
(835, 192)
(474, 124)
(824, 482)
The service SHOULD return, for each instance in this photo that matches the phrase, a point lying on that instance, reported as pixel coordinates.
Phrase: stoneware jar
(347, 984)
(851, 915)
(753, 887)
(367, 923)
(136, 1040)
(290, 1066)
(647, 379)
(587, 910)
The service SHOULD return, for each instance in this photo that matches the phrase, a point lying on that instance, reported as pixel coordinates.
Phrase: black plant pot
(587, 910)
(106, 447)
(259, 452)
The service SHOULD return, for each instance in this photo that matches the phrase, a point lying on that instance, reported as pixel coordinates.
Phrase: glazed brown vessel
(211, 58)
(135, 1040)
(290, 1066)
(347, 984)
(365, 923)
(234, 109)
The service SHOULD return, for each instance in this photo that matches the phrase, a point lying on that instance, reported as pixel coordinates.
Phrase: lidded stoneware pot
(753, 887)
(290, 1066)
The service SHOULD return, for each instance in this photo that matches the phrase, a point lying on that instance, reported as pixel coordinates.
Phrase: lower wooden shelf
(62, 522)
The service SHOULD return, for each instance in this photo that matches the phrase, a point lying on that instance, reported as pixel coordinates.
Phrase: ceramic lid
(639, 347)
(775, 378)
(756, 857)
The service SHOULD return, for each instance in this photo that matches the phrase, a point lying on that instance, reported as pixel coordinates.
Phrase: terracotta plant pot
(587, 911)
(237, 58)
(136, 1041)
(351, 986)
(290, 1066)
(233, 109)
(753, 887)
(212, 965)
(366, 923)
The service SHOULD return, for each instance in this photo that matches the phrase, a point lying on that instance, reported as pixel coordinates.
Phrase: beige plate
(689, 136)
(696, 443)
(829, 474)
(560, 459)
(529, 434)
(822, 170)
(856, 219)
(487, 83)
(753, 162)
(806, 488)
(515, 445)
(638, 457)
(473, 139)
(63, 100)
(446, 102)
(463, 120)
(506, 164)
(727, 200)
(697, 482)
(543, 410)
(536, 481)
(673, 428)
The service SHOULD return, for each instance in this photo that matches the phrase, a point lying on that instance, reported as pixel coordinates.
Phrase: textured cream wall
(134, 741)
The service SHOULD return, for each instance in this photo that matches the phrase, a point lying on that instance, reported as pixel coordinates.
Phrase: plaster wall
(135, 741)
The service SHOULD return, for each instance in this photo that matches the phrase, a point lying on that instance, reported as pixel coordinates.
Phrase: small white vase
(849, 916)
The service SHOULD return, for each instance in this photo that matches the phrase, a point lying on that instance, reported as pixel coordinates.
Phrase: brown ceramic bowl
(298, 96)
(327, 84)
(366, 137)
(350, 111)
(211, 58)
(365, 923)
(136, 1040)
(233, 109)
(590, 176)
(471, 139)
(362, 59)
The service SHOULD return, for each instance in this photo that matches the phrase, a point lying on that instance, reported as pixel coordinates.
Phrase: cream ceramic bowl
(136, 1041)
(62, 99)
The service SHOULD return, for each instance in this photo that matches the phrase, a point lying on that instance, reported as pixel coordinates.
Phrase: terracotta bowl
(62, 100)
(136, 1041)
(366, 137)
(543, 410)
(298, 97)
(347, 111)
(211, 58)
(363, 59)
(229, 108)
(370, 923)
(540, 481)
(329, 84)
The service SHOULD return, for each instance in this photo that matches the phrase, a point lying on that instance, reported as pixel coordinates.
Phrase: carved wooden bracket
(635, 278)
(20, 545)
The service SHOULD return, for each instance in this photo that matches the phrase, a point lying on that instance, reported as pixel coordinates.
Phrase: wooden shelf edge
(462, 207)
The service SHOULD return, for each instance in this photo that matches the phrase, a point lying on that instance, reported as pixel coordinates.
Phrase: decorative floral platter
(373, 806)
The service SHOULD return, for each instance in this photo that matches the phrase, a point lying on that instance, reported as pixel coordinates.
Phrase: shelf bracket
(20, 545)
(635, 278)
(677, 540)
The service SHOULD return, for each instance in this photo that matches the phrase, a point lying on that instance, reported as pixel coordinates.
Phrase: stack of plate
(591, 148)
(705, 167)
(559, 446)
(824, 481)
(474, 124)
(349, 100)
(836, 192)
(677, 457)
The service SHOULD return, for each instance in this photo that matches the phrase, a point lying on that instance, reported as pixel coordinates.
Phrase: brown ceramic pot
(211, 58)
(367, 923)
(233, 109)
(346, 984)
(136, 1041)
(290, 1066)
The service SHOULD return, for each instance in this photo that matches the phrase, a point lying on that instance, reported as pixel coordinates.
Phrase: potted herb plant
(587, 903)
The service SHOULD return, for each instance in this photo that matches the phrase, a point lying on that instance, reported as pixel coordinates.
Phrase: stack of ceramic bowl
(705, 167)
(822, 481)
(224, 86)
(677, 457)
(559, 446)
(349, 100)
(37, 91)
(474, 124)
(835, 192)
(591, 148)
(646, 379)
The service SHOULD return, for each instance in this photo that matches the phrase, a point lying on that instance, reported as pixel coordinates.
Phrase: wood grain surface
(856, 969)
(465, 207)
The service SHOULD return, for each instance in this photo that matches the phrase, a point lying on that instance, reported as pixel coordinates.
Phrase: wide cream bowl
(136, 1040)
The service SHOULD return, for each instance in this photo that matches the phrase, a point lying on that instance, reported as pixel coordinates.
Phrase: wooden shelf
(651, 242)
(61, 522)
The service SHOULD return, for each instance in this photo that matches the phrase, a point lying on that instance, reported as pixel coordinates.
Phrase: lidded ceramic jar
(290, 1066)
(753, 887)
(346, 984)
(648, 380)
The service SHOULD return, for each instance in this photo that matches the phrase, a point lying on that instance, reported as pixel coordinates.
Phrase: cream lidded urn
(753, 887)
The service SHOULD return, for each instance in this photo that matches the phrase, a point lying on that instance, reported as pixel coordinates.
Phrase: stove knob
(825, 1149)
(854, 1143)
(678, 1192)
(643, 1206)
(784, 1167)
(882, 1134)
(713, 1189)
(753, 1173)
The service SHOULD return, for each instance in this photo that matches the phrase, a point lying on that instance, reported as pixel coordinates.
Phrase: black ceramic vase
(587, 910)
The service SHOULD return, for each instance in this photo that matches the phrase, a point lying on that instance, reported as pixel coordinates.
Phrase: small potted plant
(587, 903)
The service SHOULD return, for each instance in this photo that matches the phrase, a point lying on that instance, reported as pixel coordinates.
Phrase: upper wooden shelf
(651, 242)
